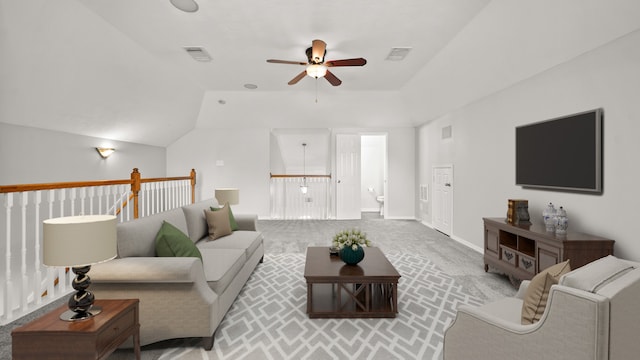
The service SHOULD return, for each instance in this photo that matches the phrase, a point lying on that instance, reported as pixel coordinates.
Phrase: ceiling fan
(317, 67)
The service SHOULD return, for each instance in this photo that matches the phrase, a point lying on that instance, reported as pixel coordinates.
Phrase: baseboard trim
(458, 239)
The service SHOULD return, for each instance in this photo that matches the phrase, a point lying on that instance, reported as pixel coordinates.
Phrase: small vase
(548, 216)
(350, 256)
(562, 222)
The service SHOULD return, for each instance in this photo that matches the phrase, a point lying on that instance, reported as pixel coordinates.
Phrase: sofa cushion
(248, 241)
(170, 241)
(536, 296)
(232, 219)
(597, 274)
(196, 222)
(138, 237)
(218, 223)
(221, 266)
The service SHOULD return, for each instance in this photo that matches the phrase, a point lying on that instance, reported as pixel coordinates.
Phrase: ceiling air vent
(398, 53)
(198, 53)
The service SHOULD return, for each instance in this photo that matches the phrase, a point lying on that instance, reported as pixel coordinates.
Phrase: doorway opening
(373, 176)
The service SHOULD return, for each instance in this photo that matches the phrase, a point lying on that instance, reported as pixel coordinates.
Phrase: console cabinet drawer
(527, 263)
(509, 255)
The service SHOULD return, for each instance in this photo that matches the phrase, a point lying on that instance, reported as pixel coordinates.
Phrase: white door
(442, 198)
(348, 176)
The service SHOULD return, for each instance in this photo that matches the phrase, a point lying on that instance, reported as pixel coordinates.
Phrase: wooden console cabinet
(521, 251)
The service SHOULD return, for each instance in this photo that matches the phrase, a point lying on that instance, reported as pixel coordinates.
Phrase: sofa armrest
(148, 270)
(575, 322)
(248, 222)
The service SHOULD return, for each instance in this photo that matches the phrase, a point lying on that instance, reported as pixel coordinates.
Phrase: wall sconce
(105, 152)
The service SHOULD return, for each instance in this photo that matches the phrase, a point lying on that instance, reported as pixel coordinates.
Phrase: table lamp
(79, 242)
(228, 195)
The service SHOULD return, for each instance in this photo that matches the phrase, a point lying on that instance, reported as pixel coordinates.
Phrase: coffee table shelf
(337, 290)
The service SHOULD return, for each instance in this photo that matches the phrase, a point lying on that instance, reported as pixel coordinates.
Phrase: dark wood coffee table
(337, 290)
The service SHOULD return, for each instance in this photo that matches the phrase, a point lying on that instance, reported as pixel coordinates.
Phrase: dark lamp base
(71, 315)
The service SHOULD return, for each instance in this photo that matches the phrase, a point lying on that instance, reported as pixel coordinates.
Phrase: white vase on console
(562, 221)
(549, 217)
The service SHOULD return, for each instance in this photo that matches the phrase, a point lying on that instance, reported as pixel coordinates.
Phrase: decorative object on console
(518, 211)
(561, 221)
(228, 195)
(79, 242)
(350, 243)
(549, 217)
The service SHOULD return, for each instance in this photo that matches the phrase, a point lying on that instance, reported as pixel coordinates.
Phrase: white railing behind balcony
(26, 283)
(289, 202)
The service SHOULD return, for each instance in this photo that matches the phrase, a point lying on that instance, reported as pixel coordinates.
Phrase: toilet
(380, 200)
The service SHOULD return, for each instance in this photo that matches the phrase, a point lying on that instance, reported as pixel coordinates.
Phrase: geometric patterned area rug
(268, 320)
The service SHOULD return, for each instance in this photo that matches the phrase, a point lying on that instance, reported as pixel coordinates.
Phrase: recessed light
(185, 5)
(251, 86)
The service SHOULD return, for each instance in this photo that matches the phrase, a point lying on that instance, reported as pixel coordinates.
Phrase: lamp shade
(79, 240)
(228, 195)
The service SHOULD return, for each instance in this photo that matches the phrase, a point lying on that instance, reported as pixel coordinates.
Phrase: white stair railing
(289, 202)
(26, 284)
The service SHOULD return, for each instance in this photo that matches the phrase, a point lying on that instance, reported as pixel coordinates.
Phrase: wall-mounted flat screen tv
(563, 153)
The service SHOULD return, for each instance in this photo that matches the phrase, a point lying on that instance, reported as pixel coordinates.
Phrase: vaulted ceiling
(118, 69)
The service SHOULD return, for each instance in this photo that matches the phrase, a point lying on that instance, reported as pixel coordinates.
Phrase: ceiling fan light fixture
(316, 70)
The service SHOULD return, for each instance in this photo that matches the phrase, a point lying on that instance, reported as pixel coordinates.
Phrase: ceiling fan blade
(274, 61)
(297, 78)
(332, 79)
(347, 62)
(318, 50)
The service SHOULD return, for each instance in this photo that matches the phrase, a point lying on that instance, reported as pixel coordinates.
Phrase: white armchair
(593, 313)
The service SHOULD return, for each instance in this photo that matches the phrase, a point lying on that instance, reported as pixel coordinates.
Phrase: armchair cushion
(170, 241)
(537, 293)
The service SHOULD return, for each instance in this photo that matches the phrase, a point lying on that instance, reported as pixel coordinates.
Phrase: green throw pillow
(232, 219)
(170, 241)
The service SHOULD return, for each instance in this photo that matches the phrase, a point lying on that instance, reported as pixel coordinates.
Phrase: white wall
(246, 157)
(245, 153)
(30, 155)
(482, 148)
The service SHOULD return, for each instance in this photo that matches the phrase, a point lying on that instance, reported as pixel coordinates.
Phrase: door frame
(358, 171)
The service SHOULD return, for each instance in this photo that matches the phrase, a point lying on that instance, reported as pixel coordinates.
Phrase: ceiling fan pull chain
(316, 90)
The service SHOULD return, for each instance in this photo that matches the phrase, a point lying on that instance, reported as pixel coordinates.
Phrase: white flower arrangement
(352, 238)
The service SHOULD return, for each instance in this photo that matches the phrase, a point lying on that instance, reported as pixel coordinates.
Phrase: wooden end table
(337, 290)
(48, 337)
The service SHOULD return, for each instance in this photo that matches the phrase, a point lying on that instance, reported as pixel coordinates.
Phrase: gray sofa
(180, 297)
